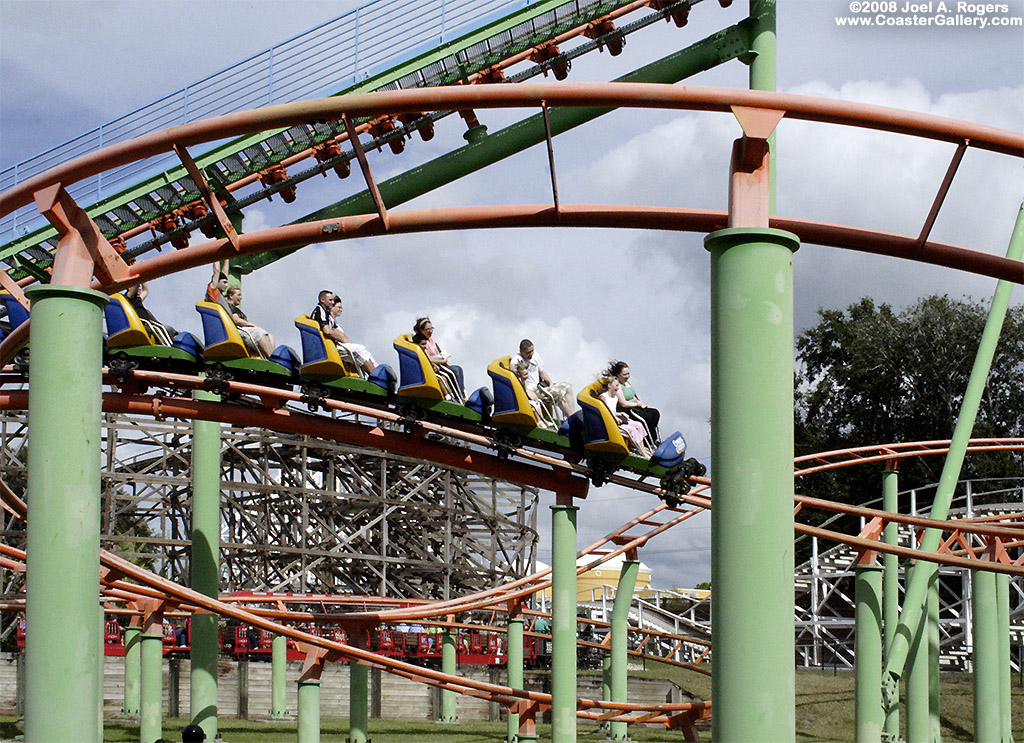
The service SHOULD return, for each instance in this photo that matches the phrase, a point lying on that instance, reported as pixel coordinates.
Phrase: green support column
(915, 596)
(205, 568)
(358, 707)
(563, 621)
(278, 674)
(932, 635)
(891, 589)
(870, 717)
(762, 57)
(152, 677)
(987, 722)
(620, 640)
(514, 668)
(448, 666)
(1003, 632)
(917, 686)
(101, 642)
(63, 532)
(309, 710)
(606, 684)
(753, 679)
(132, 668)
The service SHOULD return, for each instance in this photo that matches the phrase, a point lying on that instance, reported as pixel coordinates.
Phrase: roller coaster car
(596, 429)
(226, 356)
(324, 365)
(420, 384)
(512, 409)
(130, 338)
(16, 315)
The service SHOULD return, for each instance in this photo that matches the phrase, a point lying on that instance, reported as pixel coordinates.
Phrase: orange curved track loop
(668, 714)
(637, 95)
(830, 460)
(519, 95)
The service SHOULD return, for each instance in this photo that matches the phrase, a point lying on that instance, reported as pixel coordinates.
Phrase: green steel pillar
(870, 717)
(563, 620)
(514, 667)
(753, 679)
(448, 666)
(891, 588)
(932, 635)
(63, 562)
(761, 58)
(915, 596)
(620, 640)
(205, 568)
(1003, 631)
(358, 707)
(918, 675)
(278, 675)
(152, 677)
(309, 710)
(987, 722)
(606, 684)
(132, 646)
(100, 663)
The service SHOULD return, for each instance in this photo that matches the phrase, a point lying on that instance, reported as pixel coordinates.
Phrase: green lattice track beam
(722, 46)
(452, 62)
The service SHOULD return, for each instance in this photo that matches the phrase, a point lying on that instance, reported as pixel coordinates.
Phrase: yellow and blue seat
(225, 348)
(129, 336)
(511, 403)
(16, 317)
(596, 428)
(323, 363)
(420, 384)
(512, 408)
(600, 428)
(16, 314)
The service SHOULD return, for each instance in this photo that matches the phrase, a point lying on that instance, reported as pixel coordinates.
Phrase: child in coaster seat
(522, 370)
(631, 428)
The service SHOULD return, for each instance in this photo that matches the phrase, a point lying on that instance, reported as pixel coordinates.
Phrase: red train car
(472, 647)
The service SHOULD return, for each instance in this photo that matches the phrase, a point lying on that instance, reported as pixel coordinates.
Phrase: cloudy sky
(583, 296)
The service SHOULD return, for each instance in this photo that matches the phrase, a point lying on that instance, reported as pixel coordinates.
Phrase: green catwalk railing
(379, 46)
(329, 57)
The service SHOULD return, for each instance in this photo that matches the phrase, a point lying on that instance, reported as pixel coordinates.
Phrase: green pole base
(309, 711)
(618, 737)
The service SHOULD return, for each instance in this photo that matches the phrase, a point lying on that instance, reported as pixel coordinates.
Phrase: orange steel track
(535, 469)
(639, 95)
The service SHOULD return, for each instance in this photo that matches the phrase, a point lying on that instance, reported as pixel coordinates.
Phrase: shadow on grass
(954, 726)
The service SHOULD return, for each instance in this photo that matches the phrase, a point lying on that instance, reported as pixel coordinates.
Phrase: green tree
(869, 375)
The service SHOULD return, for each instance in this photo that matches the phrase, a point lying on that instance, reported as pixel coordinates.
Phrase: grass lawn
(824, 712)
